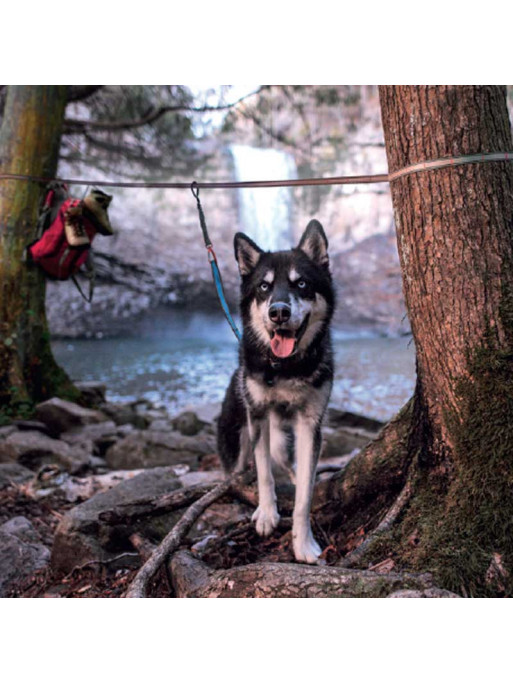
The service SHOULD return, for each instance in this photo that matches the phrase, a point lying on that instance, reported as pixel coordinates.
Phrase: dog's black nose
(279, 312)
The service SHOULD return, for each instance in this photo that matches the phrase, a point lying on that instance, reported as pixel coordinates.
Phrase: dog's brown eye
(264, 286)
(301, 284)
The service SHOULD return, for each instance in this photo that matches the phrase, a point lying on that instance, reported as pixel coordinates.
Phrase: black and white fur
(276, 400)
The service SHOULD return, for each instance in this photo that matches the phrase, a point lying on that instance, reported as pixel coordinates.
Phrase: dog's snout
(279, 312)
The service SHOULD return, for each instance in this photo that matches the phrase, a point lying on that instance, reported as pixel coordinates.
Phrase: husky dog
(276, 399)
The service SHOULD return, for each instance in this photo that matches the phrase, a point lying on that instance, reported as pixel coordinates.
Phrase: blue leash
(216, 273)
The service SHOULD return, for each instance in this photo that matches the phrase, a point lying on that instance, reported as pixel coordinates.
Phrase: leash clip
(195, 190)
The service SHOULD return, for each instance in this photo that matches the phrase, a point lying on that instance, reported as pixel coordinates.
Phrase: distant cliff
(157, 256)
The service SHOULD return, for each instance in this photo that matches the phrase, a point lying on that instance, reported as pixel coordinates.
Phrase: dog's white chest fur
(297, 393)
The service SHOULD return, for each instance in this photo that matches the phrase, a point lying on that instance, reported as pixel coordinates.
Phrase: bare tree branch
(174, 538)
(83, 125)
(76, 93)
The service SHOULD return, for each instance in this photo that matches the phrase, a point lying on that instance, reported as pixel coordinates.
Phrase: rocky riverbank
(72, 477)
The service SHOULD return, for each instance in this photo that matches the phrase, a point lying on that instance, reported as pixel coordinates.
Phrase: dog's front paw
(266, 520)
(306, 549)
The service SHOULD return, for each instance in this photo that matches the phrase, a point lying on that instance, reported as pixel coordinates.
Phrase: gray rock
(124, 430)
(123, 414)
(188, 423)
(34, 449)
(154, 414)
(343, 441)
(13, 473)
(161, 425)
(59, 415)
(82, 535)
(96, 438)
(336, 418)
(207, 413)
(201, 477)
(21, 553)
(32, 425)
(93, 393)
(147, 449)
(8, 453)
(7, 430)
(22, 528)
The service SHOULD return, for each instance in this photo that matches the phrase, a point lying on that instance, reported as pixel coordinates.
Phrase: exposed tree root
(363, 492)
(353, 558)
(284, 525)
(172, 541)
(193, 578)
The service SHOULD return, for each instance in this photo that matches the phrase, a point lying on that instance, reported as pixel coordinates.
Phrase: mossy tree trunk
(29, 144)
(448, 456)
(455, 240)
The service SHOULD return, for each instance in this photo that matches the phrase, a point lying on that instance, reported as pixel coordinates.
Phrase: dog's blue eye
(301, 284)
(264, 286)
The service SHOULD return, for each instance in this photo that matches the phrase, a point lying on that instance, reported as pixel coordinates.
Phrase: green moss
(461, 515)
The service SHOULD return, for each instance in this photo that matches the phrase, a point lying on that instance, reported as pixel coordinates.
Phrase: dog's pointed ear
(247, 253)
(314, 243)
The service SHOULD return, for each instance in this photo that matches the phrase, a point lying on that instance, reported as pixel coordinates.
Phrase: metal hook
(195, 190)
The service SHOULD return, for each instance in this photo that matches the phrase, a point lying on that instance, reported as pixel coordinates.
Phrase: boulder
(336, 418)
(147, 449)
(8, 453)
(96, 437)
(82, 535)
(32, 425)
(34, 449)
(59, 415)
(188, 423)
(191, 479)
(93, 393)
(7, 430)
(161, 425)
(124, 414)
(207, 413)
(21, 552)
(13, 473)
(343, 441)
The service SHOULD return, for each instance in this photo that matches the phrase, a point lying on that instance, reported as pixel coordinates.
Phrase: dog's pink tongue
(282, 346)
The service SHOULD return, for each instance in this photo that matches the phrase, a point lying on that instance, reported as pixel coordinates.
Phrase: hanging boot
(95, 208)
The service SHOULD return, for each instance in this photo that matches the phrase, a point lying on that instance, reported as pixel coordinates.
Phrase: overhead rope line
(444, 162)
(334, 180)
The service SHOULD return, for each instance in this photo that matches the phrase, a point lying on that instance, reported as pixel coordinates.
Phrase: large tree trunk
(454, 232)
(29, 144)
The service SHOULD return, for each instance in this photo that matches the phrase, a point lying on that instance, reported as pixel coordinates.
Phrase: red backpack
(66, 230)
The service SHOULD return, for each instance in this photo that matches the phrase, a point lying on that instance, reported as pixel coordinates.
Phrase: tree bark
(191, 578)
(29, 144)
(454, 233)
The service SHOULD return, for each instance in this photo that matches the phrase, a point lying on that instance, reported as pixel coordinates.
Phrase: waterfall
(265, 213)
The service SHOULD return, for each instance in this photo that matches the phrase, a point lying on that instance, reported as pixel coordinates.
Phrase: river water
(178, 360)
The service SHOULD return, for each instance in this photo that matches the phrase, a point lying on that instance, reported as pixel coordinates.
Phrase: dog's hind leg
(232, 440)
(308, 440)
(244, 451)
(266, 516)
